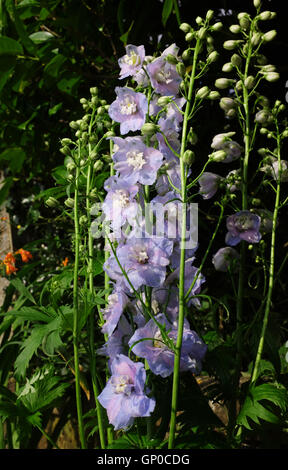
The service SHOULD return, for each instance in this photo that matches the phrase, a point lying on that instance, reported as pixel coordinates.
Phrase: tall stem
(76, 310)
(271, 269)
(175, 386)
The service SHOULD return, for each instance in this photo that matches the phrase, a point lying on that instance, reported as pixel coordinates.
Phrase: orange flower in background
(25, 255)
(10, 268)
(65, 261)
(9, 262)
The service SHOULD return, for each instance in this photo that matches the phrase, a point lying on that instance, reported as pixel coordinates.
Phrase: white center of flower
(132, 59)
(135, 159)
(141, 256)
(244, 222)
(122, 384)
(158, 340)
(128, 106)
(113, 299)
(121, 198)
(163, 77)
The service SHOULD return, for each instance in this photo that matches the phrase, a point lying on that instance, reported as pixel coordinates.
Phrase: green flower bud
(199, 20)
(209, 15)
(214, 95)
(189, 37)
(192, 137)
(181, 69)
(266, 15)
(94, 100)
(285, 133)
(244, 20)
(223, 83)
(164, 100)
(232, 44)
(239, 85)
(185, 27)
(74, 125)
(98, 165)
(78, 133)
(249, 82)
(201, 34)
(255, 201)
(186, 54)
(110, 134)
(262, 59)
(65, 150)
(218, 156)
(83, 101)
(51, 202)
(101, 110)
(83, 220)
(70, 166)
(213, 56)
(69, 202)
(235, 28)
(94, 91)
(236, 60)
(231, 113)
(227, 103)
(272, 76)
(203, 92)
(149, 129)
(228, 67)
(256, 39)
(257, 3)
(189, 157)
(217, 26)
(264, 101)
(66, 141)
(269, 36)
(263, 131)
(171, 59)
(263, 117)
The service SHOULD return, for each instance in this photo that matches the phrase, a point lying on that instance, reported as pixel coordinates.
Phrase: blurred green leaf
(15, 157)
(10, 47)
(41, 36)
(167, 10)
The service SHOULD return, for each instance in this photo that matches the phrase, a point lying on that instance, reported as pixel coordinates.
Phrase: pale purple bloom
(171, 165)
(129, 109)
(226, 258)
(120, 205)
(272, 168)
(123, 396)
(243, 225)
(143, 259)
(117, 342)
(191, 272)
(209, 183)
(159, 355)
(224, 142)
(117, 302)
(164, 78)
(132, 61)
(135, 161)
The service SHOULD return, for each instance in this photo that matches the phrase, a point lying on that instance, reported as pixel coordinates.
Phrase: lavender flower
(163, 75)
(131, 62)
(117, 302)
(116, 342)
(190, 274)
(120, 204)
(243, 225)
(224, 142)
(276, 171)
(135, 161)
(159, 356)
(123, 396)
(129, 109)
(208, 184)
(226, 258)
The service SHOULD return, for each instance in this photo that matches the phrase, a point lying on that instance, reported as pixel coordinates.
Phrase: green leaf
(20, 28)
(30, 314)
(124, 37)
(15, 156)
(254, 410)
(7, 65)
(167, 10)
(18, 284)
(41, 36)
(53, 68)
(10, 47)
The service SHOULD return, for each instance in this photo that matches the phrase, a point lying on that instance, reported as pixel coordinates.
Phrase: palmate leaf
(254, 410)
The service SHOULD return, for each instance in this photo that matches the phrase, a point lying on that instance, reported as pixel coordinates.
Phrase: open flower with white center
(131, 62)
(243, 225)
(135, 161)
(159, 356)
(163, 75)
(129, 109)
(123, 396)
(117, 302)
(120, 205)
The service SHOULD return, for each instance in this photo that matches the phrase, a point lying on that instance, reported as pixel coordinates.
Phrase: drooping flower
(131, 62)
(143, 259)
(123, 396)
(224, 142)
(226, 258)
(151, 345)
(117, 302)
(129, 109)
(243, 225)
(276, 170)
(135, 161)
(117, 343)
(191, 276)
(163, 75)
(25, 255)
(209, 183)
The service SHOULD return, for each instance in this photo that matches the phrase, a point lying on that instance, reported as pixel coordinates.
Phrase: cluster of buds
(10, 260)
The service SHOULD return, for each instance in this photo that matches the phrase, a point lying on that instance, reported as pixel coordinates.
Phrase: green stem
(76, 310)
(175, 386)
(271, 270)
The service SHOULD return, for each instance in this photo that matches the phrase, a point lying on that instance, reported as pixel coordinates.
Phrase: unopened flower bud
(223, 83)
(263, 131)
(218, 156)
(192, 137)
(171, 59)
(149, 129)
(244, 20)
(98, 165)
(199, 20)
(217, 26)
(70, 166)
(228, 67)
(213, 56)
(94, 91)
(266, 15)
(263, 117)
(189, 37)
(236, 60)
(189, 157)
(227, 103)
(256, 39)
(235, 28)
(181, 69)
(269, 36)
(231, 113)
(239, 85)
(65, 150)
(109, 134)
(209, 15)
(66, 141)
(101, 110)
(185, 27)
(285, 133)
(74, 125)
(203, 92)
(83, 100)
(51, 202)
(257, 3)
(164, 100)
(249, 82)
(213, 95)
(272, 76)
(83, 220)
(201, 34)
(69, 202)
(232, 44)
(186, 54)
